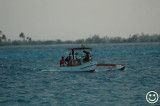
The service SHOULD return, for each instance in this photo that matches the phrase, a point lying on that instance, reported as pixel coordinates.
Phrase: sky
(78, 19)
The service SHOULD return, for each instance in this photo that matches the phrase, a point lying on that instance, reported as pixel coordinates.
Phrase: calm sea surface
(30, 75)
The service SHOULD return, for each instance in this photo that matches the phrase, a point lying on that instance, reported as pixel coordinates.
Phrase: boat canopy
(80, 48)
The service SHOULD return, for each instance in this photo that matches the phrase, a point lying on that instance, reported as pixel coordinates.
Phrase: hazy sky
(75, 19)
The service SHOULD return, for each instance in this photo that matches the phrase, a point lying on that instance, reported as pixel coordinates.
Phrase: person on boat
(77, 58)
(68, 59)
(86, 59)
(62, 62)
(78, 61)
(73, 53)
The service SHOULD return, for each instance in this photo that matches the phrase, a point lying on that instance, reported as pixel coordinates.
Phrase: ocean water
(30, 75)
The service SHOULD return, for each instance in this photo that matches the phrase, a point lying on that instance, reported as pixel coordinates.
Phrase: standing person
(86, 59)
(73, 53)
(68, 59)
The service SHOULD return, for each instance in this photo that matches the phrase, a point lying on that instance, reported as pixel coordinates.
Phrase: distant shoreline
(95, 39)
(79, 44)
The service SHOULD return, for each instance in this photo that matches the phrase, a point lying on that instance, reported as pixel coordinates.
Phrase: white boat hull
(88, 66)
(120, 67)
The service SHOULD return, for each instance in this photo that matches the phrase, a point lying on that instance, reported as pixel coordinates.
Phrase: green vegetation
(95, 39)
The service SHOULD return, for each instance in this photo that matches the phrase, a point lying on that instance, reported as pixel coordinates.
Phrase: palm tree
(0, 40)
(4, 37)
(0, 37)
(29, 39)
(21, 35)
(0, 32)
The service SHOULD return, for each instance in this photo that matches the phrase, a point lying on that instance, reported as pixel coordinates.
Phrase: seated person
(78, 61)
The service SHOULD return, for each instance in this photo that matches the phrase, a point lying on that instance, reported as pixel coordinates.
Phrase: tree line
(7, 41)
(95, 39)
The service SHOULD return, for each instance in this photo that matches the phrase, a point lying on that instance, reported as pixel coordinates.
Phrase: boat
(83, 63)
(76, 62)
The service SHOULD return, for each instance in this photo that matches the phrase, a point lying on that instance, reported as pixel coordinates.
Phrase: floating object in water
(114, 66)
